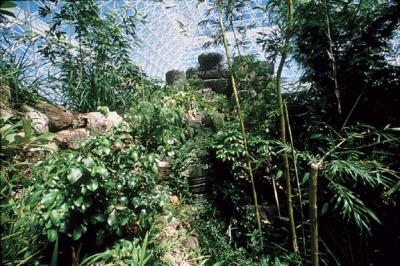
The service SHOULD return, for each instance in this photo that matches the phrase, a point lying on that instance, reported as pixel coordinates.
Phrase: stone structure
(70, 128)
(174, 77)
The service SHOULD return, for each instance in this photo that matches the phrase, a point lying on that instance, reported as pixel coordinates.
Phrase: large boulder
(96, 121)
(70, 138)
(174, 76)
(40, 122)
(208, 61)
(59, 117)
(215, 73)
(192, 72)
(217, 85)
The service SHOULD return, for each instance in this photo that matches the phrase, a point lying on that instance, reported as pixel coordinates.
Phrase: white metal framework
(170, 39)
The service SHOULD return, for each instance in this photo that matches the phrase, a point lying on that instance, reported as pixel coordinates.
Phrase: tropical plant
(104, 188)
(97, 70)
(124, 252)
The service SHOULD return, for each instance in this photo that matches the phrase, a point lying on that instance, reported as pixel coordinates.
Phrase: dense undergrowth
(104, 201)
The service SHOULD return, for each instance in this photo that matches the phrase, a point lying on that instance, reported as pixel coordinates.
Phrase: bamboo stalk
(332, 57)
(283, 128)
(314, 213)
(276, 196)
(314, 204)
(242, 127)
(296, 172)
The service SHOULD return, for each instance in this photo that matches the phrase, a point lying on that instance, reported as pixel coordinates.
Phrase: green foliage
(158, 120)
(361, 34)
(349, 167)
(99, 71)
(20, 243)
(214, 238)
(99, 187)
(124, 252)
(251, 73)
(17, 86)
(13, 140)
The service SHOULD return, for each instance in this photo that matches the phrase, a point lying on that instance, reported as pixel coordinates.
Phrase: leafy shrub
(124, 252)
(106, 186)
(158, 123)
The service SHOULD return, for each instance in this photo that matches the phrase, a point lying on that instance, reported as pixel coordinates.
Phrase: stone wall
(70, 128)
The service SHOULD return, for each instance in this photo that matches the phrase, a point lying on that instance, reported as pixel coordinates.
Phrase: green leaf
(88, 162)
(48, 146)
(46, 137)
(74, 175)
(279, 174)
(55, 217)
(8, 13)
(102, 171)
(33, 198)
(93, 184)
(52, 234)
(99, 217)
(78, 202)
(373, 215)
(135, 156)
(26, 125)
(324, 208)
(106, 150)
(112, 218)
(54, 257)
(120, 207)
(77, 232)
(316, 136)
(49, 198)
(7, 4)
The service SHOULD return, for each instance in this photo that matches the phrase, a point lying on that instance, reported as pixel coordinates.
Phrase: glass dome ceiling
(170, 38)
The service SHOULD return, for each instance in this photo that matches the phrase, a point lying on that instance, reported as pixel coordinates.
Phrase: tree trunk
(242, 127)
(283, 128)
(314, 214)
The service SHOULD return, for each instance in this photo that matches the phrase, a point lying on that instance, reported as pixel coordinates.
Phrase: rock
(195, 119)
(244, 94)
(196, 171)
(70, 138)
(215, 73)
(192, 72)
(59, 117)
(164, 169)
(208, 61)
(191, 242)
(114, 119)
(174, 200)
(80, 120)
(96, 121)
(7, 113)
(40, 122)
(217, 85)
(174, 76)
(207, 92)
